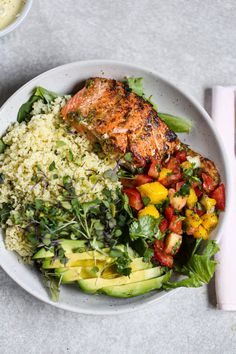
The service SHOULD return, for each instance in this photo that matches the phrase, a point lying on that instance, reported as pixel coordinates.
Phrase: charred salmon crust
(120, 120)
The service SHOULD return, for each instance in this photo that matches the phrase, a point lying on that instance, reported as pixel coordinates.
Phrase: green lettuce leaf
(199, 269)
(26, 108)
(177, 124)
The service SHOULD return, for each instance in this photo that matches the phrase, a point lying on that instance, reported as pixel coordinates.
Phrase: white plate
(203, 138)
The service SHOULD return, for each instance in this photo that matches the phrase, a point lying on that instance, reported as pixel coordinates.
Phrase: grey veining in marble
(191, 42)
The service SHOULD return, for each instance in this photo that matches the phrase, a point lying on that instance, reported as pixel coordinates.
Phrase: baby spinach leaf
(45, 95)
(177, 124)
(26, 108)
(136, 85)
(2, 146)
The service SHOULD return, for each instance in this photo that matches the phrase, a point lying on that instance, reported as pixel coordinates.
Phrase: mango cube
(155, 191)
(149, 210)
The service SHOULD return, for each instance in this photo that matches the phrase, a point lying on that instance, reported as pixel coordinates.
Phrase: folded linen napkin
(223, 114)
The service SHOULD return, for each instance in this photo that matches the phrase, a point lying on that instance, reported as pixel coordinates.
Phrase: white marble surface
(191, 42)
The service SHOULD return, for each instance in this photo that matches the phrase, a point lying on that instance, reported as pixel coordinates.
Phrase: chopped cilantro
(145, 227)
(146, 200)
(128, 157)
(184, 190)
(70, 156)
(148, 254)
(60, 143)
(52, 166)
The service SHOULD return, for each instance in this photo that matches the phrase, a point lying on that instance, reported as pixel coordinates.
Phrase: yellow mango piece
(192, 199)
(201, 232)
(163, 173)
(207, 202)
(185, 165)
(155, 191)
(192, 219)
(149, 210)
(209, 221)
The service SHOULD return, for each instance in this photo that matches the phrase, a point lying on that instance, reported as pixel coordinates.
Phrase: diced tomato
(198, 192)
(153, 169)
(178, 185)
(208, 183)
(128, 182)
(163, 225)
(134, 196)
(176, 225)
(171, 179)
(194, 184)
(181, 155)
(173, 164)
(200, 212)
(142, 179)
(219, 196)
(169, 212)
(161, 256)
(138, 180)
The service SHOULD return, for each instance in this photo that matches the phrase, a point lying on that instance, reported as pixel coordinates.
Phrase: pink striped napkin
(223, 114)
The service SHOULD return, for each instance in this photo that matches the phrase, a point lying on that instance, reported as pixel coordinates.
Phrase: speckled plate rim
(228, 178)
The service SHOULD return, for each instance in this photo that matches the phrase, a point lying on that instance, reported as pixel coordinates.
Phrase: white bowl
(13, 25)
(169, 98)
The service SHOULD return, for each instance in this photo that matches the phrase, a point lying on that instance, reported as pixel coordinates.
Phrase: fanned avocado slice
(91, 286)
(136, 289)
(77, 259)
(71, 274)
(69, 246)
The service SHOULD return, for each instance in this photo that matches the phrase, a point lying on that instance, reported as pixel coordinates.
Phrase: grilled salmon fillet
(106, 110)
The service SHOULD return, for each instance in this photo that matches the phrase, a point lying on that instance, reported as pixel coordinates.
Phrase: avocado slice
(136, 289)
(68, 275)
(136, 264)
(71, 274)
(49, 264)
(77, 259)
(67, 245)
(91, 286)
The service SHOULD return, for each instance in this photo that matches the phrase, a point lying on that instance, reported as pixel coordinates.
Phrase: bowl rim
(13, 25)
(228, 177)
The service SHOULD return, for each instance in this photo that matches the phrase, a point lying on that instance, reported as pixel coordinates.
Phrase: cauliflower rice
(38, 155)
